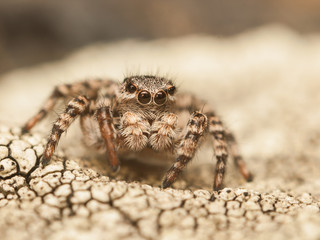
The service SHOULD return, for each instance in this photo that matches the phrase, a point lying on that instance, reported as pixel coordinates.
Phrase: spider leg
(218, 132)
(75, 107)
(238, 160)
(195, 130)
(222, 138)
(90, 128)
(90, 88)
(104, 118)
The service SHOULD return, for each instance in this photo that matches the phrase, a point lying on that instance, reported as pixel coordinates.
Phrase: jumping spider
(141, 113)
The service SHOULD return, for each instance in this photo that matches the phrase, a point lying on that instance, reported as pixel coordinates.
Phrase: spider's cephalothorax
(148, 96)
(142, 112)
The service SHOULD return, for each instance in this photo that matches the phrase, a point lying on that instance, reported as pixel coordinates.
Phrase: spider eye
(160, 97)
(172, 90)
(144, 97)
(131, 88)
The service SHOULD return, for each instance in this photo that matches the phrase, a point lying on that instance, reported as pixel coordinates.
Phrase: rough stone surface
(264, 83)
(64, 200)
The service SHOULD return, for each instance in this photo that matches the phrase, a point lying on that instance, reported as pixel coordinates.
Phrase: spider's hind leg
(237, 158)
(64, 91)
(90, 128)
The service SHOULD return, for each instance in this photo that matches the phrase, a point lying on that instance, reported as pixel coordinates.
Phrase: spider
(143, 112)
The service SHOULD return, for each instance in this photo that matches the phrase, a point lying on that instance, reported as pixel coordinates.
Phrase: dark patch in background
(36, 31)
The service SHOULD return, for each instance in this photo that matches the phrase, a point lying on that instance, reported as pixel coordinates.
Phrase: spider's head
(148, 90)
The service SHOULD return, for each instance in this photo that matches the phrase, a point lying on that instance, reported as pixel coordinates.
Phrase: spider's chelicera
(144, 112)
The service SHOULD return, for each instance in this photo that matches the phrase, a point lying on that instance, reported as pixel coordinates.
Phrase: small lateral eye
(131, 88)
(144, 97)
(172, 90)
(160, 97)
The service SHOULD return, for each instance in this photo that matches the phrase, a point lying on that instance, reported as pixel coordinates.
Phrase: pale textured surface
(264, 84)
(64, 200)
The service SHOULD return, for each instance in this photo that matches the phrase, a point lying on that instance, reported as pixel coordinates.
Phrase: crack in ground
(45, 184)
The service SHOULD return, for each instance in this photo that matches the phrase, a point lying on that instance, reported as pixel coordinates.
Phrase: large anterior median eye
(144, 97)
(131, 88)
(160, 97)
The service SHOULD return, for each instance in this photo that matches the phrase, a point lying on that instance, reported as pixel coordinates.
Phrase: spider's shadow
(133, 170)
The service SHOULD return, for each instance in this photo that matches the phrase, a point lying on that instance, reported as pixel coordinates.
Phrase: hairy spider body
(142, 112)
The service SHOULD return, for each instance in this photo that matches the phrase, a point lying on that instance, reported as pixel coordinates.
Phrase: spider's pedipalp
(134, 131)
(75, 107)
(195, 130)
(163, 134)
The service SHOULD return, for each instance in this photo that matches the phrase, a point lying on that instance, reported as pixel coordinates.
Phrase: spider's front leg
(195, 130)
(75, 107)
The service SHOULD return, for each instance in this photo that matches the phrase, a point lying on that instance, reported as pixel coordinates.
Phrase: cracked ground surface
(265, 84)
(64, 200)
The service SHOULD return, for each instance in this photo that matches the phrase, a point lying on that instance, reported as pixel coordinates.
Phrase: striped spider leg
(187, 148)
(199, 125)
(74, 108)
(237, 158)
(88, 88)
(79, 106)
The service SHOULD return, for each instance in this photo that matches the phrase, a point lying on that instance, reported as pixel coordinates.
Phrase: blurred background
(257, 62)
(36, 31)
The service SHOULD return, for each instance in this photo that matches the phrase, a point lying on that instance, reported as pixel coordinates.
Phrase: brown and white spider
(144, 112)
